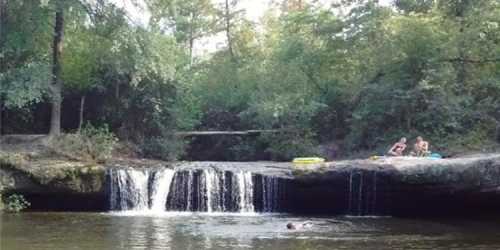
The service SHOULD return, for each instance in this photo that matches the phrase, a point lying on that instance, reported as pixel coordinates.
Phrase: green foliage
(360, 78)
(165, 148)
(81, 55)
(286, 146)
(24, 67)
(415, 6)
(94, 144)
(481, 138)
(24, 85)
(15, 203)
(191, 19)
(100, 141)
(246, 149)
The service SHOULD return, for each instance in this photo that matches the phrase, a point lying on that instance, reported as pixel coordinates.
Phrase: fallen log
(244, 132)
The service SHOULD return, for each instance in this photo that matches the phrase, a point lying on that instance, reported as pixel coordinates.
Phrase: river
(171, 230)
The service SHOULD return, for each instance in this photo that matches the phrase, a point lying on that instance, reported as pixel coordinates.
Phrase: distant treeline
(353, 76)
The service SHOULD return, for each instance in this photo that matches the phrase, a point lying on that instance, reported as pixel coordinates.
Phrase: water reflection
(58, 231)
(141, 233)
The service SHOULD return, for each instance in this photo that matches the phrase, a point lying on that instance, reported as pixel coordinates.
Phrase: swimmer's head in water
(290, 226)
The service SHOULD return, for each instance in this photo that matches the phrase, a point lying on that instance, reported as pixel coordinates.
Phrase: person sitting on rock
(398, 148)
(421, 148)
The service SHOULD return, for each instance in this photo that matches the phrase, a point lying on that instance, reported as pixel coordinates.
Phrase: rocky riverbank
(386, 186)
(401, 186)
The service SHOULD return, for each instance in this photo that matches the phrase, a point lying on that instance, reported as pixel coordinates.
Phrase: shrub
(16, 203)
(286, 146)
(246, 149)
(100, 142)
(164, 148)
(92, 144)
(481, 138)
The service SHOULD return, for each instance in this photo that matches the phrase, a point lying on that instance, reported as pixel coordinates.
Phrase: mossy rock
(51, 175)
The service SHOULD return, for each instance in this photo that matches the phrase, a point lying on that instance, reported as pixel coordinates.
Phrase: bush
(100, 142)
(247, 149)
(286, 146)
(164, 148)
(16, 203)
(481, 138)
(92, 144)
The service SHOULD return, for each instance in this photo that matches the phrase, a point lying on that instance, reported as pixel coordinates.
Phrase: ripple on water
(186, 230)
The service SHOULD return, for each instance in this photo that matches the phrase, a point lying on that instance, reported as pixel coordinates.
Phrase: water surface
(61, 231)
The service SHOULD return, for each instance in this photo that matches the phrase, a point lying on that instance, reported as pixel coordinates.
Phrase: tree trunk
(1, 114)
(3, 34)
(82, 106)
(117, 90)
(497, 136)
(461, 66)
(191, 45)
(56, 86)
(227, 16)
(408, 120)
(191, 38)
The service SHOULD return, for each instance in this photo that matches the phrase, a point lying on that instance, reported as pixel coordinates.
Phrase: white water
(207, 190)
(209, 183)
(213, 189)
(362, 199)
(129, 190)
(189, 192)
(161, 189)
(245, 185)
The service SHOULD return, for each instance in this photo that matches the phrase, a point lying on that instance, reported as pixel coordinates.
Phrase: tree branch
(473, 61)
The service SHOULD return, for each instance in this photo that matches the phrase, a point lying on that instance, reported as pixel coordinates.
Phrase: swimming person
(310, 224)
(421, 147)
(398, 148)
(299, 226)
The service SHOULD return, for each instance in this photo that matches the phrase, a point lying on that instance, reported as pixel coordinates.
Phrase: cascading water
(211, 191)
(362, 199)
(203, 190)
(245, 195)
(160, 188)
(270, 194)
(129, 190)
(139, 190)
(180, 197)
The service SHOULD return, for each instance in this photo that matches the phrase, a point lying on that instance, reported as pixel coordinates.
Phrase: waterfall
(270, 194)
(160, 188)
(129, 190)
(362, 195)
(201, 190)
(210, 190)
(179, 197)
(245, 194)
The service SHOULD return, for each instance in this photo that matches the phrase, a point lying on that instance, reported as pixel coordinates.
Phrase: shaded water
(58, 231)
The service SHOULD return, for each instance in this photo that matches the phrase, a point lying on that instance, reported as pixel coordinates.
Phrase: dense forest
(325, 79)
